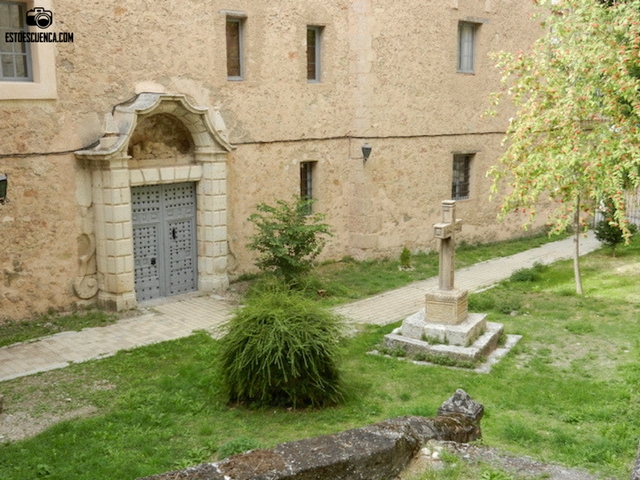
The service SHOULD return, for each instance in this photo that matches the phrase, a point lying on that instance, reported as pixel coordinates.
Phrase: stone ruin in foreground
(376, 452)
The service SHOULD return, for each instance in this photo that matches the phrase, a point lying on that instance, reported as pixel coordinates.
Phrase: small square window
(314, 35)
(461, 176)
(306, 181)
(234, 48)
(466, 46)
(15, 57)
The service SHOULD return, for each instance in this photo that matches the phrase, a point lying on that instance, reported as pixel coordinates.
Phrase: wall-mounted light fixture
(3, 189)
(366, 152)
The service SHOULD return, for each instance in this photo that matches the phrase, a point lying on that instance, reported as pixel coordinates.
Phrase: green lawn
(14, 331)
(569, 392)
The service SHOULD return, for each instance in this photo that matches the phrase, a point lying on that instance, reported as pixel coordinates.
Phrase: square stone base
(482, 347)
(462, 334)
(446, 306)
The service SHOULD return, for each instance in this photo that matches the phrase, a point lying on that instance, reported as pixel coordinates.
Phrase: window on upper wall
(235, 70)
(461, 176)
(306, 181)
(15, 57)
(28, 70)
(466, 46)
(314, 45)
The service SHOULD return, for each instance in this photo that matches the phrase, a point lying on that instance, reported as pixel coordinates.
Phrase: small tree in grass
(289, 237)
(609, 232)
(282, 349)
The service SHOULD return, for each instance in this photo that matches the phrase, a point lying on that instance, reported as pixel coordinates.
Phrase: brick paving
(169, 320)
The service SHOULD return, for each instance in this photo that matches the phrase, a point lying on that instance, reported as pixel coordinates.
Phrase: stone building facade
(135, 153)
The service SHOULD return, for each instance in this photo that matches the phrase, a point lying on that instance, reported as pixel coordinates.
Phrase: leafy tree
(575, 139)
(289, 237)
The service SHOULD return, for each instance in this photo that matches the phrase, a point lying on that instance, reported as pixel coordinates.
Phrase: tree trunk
(576, 250)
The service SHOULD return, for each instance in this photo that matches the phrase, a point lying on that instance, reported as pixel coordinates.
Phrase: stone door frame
(112, 180)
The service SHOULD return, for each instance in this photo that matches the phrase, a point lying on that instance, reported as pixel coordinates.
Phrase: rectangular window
(234, 48)
(461, 176)
(466, 46)
(313, 53)
(15, 58)
(306, 181)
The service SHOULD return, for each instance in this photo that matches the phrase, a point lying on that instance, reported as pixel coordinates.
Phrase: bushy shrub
(289, 237)
(499, 302)
(405, 258)
(608, 232)
(532, 274)
(282, 349)
(481, 302)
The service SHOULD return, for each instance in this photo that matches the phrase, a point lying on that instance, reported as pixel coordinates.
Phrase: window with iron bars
(306, 182)
(461, 176)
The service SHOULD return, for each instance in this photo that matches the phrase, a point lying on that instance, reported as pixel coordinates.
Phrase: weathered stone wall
(376, 208)
(388, 78)
(376, 452)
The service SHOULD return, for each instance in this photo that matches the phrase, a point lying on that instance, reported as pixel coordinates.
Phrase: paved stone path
(175, 319)
(394, 305)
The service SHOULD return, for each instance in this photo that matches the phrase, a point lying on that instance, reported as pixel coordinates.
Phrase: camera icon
(39, 17)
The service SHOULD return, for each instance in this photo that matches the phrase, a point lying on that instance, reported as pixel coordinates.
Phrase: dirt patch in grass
(36, 403)
(585, 357)
(22, 424)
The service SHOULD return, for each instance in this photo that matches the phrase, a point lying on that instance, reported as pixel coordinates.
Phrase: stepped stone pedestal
(445, 327)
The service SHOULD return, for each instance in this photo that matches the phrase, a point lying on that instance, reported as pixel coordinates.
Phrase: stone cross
(446, 231)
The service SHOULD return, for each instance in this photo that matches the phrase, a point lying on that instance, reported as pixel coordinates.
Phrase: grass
(567, 393)
(14, 331)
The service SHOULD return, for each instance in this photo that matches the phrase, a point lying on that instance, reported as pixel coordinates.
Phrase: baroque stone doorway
(161, 141)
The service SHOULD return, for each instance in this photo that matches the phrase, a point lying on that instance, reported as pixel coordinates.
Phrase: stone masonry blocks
(136, 177)
(215, 171)
(112, 196)
(182, 173)
(209, 234)
(206, 263)
(195, 173)
(207, 203)
(116, 178)
(151, 176)
(446, 306)
(220, 233)
(206, 187)
(116, 213)
(220, 203)
(167, 175)
(221, 249)
(220, 264)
